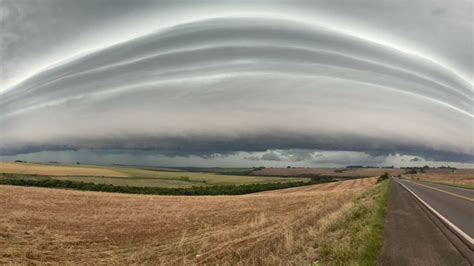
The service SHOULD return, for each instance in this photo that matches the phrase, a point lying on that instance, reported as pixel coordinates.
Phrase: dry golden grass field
(459, 177)
(355, 172)
(57, 170)
(39, 225)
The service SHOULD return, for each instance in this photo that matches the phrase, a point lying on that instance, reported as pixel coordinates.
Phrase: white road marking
(444, 219)
(440, 190)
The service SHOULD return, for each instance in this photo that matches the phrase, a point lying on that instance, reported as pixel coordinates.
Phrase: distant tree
(383, 177)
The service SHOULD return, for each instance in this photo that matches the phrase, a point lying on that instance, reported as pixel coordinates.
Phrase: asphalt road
(455, 204)
(412, 235)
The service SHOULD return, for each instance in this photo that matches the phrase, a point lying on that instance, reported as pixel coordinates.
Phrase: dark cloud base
(294, 145)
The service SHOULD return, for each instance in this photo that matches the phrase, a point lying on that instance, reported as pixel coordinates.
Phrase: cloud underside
(242, 84)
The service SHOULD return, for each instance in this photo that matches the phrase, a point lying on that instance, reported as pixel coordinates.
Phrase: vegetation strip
(356, 238)
(196, 190)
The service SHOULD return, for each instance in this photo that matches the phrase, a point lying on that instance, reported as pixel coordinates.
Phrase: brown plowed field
(40, 225)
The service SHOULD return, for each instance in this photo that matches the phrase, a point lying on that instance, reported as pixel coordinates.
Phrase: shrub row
(195, 190)
(383, 177)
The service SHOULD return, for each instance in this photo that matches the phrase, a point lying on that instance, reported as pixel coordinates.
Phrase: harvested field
(208, 178)
(277, 227)
(459, 177)
(352, 172)
(127, 176)
(57, 170)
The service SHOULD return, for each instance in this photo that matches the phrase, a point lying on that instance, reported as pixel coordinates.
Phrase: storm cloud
(248, 83)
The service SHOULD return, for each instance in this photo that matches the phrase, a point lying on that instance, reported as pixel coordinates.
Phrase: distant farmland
(458, 177)
(57, 170)
(289, 226)
(128, 176)
(341, 172)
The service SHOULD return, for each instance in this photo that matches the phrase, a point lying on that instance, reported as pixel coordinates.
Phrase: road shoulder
(410, 235)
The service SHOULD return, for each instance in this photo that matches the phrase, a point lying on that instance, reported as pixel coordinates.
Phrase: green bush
(383, 177)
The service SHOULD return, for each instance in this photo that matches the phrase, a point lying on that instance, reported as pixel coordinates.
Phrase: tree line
(195, 190)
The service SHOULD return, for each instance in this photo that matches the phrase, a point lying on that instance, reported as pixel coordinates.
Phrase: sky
(237, 83)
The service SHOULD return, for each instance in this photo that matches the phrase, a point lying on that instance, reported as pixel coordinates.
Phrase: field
(207, 178)
(57, 170)
(342, 172)
(40, 225)
(128, 176)
(456, 177)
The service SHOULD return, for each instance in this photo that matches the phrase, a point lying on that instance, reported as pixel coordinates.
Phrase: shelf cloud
(243, 84)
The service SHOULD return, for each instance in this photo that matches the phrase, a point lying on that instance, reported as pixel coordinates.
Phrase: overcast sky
(230, 83)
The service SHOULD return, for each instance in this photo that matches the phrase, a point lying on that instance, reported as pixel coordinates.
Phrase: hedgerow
(195, 190)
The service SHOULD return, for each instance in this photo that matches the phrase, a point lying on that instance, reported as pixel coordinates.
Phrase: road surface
(455, 204)
(414, 235)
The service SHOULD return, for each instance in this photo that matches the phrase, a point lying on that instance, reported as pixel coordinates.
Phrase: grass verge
(356, 237)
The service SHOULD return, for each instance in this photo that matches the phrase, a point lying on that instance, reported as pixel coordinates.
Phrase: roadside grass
(356, 237)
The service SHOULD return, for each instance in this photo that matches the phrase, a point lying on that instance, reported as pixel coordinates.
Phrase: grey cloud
(271, 156)
(37, 32)
(255, 45)
(299, 155)
(348, 158)
(427, 154)
(219, 86)
(439, 11)
(287, 155)
(252, 158)
(238, 159)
